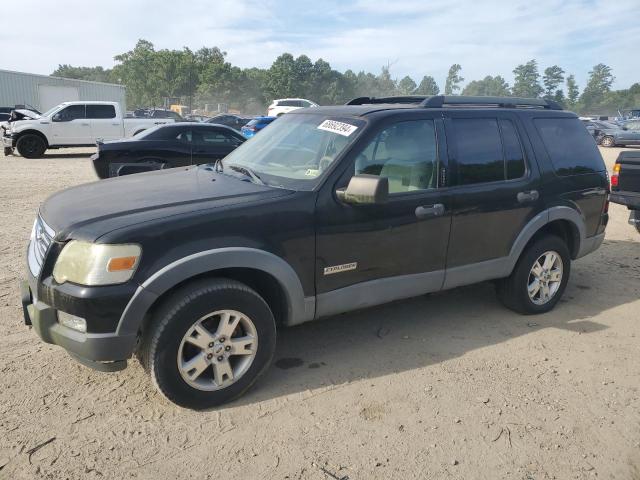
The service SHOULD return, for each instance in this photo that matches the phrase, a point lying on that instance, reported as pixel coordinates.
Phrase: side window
(101, 111)
(513, 153)
(405, 153)
(72, 112)
(184, 136)
(570, 147)
(213, 138)
(479, 150)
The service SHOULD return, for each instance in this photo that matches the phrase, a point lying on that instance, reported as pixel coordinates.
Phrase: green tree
(94, 74)
(386, 85)
(407, 86)
(452, 85)
(573, 92)
(598, 85)
(527, 80)
(428, 86)
(552, 79)
(135, 69)
(489, 86)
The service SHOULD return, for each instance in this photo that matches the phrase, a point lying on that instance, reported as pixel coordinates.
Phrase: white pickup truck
(73, 124)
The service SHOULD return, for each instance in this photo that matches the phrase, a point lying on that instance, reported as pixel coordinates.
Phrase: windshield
(50, 111)
(293, 151)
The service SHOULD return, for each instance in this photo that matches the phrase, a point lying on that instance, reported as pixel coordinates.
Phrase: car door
(495, 192)
(370, 254)
(70, 126)
(632, 134)
(103, 121)
(213, 143)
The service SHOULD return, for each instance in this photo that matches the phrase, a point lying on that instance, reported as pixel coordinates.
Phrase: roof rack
(439, 101)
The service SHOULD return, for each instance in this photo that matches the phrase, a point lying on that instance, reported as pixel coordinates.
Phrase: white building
(43, 92)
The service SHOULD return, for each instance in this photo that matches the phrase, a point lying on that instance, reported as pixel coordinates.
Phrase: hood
(91, 210)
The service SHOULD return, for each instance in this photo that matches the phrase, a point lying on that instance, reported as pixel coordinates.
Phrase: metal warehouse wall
(40, 91)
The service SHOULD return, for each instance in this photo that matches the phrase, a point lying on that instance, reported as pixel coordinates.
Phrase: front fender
(299, 309)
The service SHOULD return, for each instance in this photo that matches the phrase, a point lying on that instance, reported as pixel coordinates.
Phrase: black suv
(331, 209)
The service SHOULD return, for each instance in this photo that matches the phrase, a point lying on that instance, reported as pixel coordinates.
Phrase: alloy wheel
(217, 350)
(545, 277)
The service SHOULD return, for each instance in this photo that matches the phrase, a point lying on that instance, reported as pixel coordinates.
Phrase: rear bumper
(630, 199)
(590, 244)
(101, 351)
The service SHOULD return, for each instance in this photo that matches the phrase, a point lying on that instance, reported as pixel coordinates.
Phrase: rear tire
(608, 142)
(190, 326)
(31, 146)
(535, 287)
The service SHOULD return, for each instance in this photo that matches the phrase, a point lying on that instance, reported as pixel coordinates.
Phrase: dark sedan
(165, 146)
(233, 121)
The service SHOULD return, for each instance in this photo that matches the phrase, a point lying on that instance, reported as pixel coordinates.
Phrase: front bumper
(8, 141)
(101, 351)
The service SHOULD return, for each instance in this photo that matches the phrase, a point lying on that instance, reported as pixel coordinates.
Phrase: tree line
(206, 77)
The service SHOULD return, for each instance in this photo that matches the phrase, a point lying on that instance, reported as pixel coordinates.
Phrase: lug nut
(227, 348)
(222, 339)
(209, 357)
(211, 345)
(220, 358)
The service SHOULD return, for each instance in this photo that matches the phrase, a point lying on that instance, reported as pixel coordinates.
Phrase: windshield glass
(50, 111)
(294, 150)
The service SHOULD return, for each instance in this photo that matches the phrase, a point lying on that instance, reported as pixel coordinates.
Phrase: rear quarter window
(569, 145)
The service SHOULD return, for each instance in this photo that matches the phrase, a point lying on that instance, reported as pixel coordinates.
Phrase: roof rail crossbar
(438, 101)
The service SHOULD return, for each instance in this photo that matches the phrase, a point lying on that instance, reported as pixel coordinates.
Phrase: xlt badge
(340, 268)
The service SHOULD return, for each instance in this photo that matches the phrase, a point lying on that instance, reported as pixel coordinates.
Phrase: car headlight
(95, 264)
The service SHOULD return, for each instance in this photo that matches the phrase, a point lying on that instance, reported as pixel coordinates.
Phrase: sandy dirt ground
(450, 385)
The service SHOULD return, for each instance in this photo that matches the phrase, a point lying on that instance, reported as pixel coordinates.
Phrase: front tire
(31, 146)
(208, 343)
(539, 277)
(608, 142)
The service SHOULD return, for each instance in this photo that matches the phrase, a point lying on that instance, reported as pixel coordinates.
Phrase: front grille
(41, 238)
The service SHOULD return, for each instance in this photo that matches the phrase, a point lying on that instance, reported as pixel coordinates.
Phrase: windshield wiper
(247, 172)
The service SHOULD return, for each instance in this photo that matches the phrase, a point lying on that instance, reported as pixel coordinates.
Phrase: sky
(416, 38)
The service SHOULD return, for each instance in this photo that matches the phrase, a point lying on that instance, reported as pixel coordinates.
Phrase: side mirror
(365, 190)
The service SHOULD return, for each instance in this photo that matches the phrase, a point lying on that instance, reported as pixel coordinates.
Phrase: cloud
(415, 37)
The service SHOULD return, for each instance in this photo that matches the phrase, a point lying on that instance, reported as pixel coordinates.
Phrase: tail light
(616, 173)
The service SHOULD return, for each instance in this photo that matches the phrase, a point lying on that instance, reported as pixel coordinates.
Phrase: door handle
(425, 211)
(84, 124)
(530, 196)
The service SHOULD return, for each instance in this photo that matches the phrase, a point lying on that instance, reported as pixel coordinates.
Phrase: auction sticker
(340, 128)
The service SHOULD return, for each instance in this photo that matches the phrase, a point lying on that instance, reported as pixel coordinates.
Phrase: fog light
(71, 321)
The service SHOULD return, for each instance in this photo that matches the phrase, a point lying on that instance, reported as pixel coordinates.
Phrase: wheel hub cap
(217, 350)
(545, 277)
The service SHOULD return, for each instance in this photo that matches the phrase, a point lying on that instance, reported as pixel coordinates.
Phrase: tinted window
(479, 150)
(101, 111)
(166, 133)
(4, 117)
(213, 137)
(253, 122)
(289, 103)
(72, 112)
(569, 145)
(405, 153)
(513, 154)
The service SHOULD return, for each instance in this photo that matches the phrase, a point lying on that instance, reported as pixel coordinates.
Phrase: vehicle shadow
(430, 329)
(68, 155)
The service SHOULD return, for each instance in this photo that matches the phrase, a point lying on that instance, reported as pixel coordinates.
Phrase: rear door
(71, 127)
(496, 192)
(211, 144)
(631, 136)
(104, 124)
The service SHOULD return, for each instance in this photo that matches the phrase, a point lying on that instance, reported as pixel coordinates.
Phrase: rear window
(289, 103)
(101, 111)
(571, 148)
(253, 122)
